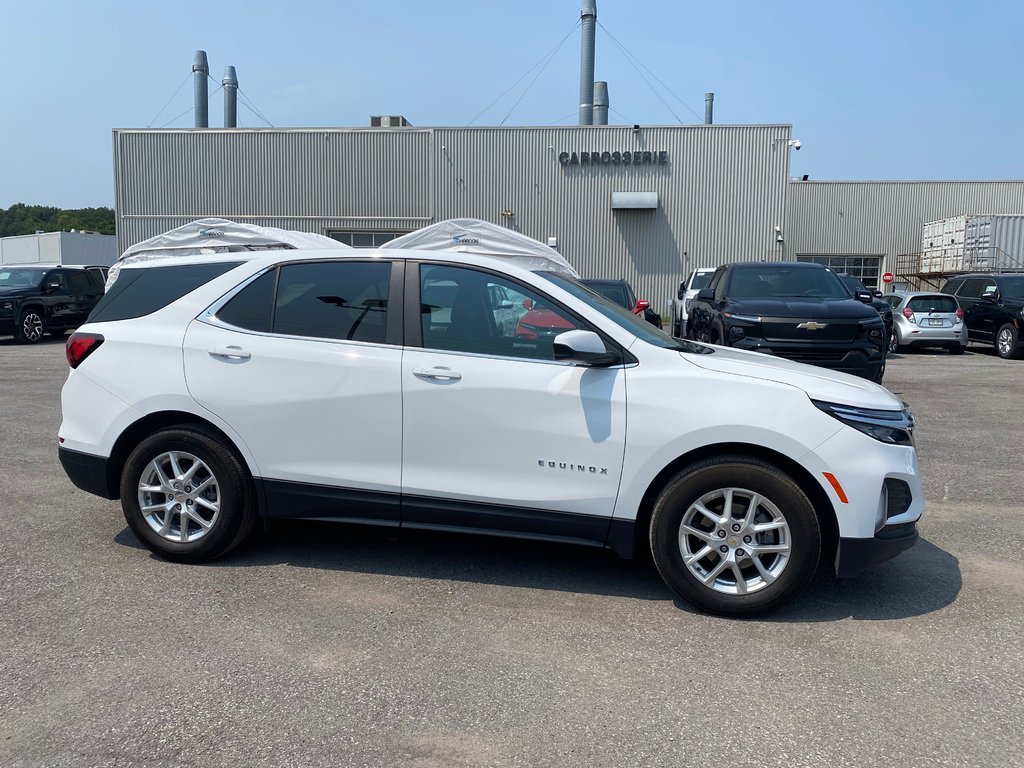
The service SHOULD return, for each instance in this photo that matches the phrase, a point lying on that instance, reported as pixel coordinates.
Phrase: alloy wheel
(32, 327)
(179, 496)
(1004, 341)
(735, 541)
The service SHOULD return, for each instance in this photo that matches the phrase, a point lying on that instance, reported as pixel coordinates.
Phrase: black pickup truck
(799, 311)
(43, 298)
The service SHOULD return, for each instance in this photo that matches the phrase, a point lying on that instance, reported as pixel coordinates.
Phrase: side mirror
(641, 306)
(505, 305)
(878, 294)
(527, 304)
(864, 296)
(990, 295)
(706, 294)
(681, 293)
(52, 287)
(583, 348)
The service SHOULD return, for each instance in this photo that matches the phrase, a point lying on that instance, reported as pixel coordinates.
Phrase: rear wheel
(734, 535)
(1008, 342)
(30, 327)
(186, 495)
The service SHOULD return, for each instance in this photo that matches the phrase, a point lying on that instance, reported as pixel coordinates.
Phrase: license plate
(934, 321)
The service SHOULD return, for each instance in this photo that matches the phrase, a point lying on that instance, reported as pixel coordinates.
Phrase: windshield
(20, 278)
(622, 317)
(775, 282)
(701, 280)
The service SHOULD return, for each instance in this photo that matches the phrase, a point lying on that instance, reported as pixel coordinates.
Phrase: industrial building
(644, 203)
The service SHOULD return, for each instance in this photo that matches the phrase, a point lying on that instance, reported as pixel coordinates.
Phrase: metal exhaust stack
(600, 103)
(230, 83)
(588, 26)
(200, 72)
(709, 108)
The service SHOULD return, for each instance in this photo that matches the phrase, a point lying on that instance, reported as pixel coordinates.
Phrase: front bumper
(87, 472)
(862, 360)
(857, 555)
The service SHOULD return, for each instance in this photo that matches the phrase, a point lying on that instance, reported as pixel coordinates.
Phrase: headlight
(892, 427)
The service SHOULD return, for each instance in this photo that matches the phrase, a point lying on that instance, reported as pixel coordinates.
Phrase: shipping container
(82, 248)
(972, 243)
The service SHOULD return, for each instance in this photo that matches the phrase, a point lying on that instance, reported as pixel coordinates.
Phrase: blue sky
(903, 89)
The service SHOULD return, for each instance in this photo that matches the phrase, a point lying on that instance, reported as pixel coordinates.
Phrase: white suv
(208, 391)
(697, 279)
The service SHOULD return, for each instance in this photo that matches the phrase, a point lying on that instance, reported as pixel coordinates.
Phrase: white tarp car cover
(486, 239)
(206, 236)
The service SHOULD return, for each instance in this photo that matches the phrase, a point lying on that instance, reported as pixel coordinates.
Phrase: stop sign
(887, 278)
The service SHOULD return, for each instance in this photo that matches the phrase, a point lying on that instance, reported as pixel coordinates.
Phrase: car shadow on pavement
(920, 581)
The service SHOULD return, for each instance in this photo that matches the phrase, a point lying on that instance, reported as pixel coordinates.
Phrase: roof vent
(389, 121)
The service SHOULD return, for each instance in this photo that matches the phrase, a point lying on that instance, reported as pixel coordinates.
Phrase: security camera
(795, 143)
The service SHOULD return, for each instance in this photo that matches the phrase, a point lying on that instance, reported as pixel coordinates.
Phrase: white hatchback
(209, 391)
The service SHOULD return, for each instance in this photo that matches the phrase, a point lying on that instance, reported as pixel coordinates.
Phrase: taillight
(959, 314)
(80, 346)
(908, 313)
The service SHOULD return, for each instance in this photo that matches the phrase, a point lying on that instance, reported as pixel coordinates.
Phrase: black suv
(622, 294)
(993, 304)
(43, 298)
(800, 311)
(857, 289)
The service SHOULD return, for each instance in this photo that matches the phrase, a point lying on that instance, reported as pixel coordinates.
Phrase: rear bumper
(857, 555)
(87, 472)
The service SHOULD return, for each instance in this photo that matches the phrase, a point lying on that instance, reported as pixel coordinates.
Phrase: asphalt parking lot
(321, 645)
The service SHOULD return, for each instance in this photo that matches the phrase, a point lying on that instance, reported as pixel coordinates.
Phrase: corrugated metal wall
(885, 217)
(721, 193)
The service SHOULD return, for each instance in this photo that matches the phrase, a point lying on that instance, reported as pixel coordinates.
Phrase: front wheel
(186, 495)
(734, 535)
(30, 327)
(1008, 342)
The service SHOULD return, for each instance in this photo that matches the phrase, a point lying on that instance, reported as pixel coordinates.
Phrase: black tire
(30, 327)
(236, 515)
(880, 373)
(957, 349)
(1007, 342)
(677, 329)
(705, 479)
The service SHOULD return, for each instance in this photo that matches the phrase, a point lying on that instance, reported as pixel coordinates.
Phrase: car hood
(818, 383)
(7, 292)
(804, 307)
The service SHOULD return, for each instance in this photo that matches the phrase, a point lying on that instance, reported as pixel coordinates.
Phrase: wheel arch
(147, 425)
(823, 508)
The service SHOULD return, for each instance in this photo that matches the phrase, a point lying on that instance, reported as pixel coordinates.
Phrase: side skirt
(306, 501)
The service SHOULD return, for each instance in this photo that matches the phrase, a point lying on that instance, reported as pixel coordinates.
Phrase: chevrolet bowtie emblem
(812, 326)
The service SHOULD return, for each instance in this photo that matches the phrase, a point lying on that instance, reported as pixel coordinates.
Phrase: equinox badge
(812, 326)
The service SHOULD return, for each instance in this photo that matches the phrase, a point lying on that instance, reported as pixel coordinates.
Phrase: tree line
(21, 219)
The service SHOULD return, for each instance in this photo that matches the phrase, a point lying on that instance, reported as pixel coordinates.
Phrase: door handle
(438, 373)
(232, 353)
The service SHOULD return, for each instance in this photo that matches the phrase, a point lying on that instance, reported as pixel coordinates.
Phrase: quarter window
(465, 310)
(252, 307)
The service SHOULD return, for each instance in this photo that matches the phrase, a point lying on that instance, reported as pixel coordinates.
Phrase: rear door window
(333, 300)
(973, 288)
(78, 281)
